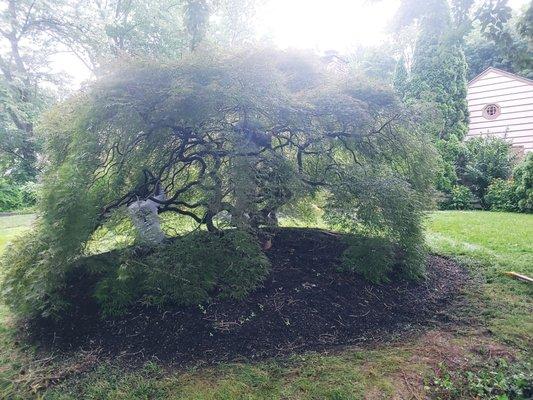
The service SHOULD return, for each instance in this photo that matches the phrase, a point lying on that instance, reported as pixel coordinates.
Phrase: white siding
(514, 95)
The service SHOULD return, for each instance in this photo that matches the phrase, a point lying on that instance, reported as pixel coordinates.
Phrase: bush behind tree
(523, 180)
(501, 196)
(484, 159)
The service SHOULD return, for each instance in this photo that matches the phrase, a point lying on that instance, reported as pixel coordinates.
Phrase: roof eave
(501, 72)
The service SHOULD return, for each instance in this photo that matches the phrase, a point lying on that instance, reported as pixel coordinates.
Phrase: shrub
(10, 196)
(372, 257)
(484, 160)
(501, 196)
(188, 270)
(29, 194)
(461, 198)
(375, 258)
(412, 257)
(523, 178)
(15, 196)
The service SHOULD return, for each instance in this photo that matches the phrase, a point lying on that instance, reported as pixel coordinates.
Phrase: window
(491, 111)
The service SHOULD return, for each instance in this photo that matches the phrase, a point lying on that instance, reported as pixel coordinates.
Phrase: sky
(330, 24)
(326, 24)
(311, 24)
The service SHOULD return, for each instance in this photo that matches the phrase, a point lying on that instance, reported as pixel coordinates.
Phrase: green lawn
(490, 244)
(12, 225)
(459, 361)
(505, 239)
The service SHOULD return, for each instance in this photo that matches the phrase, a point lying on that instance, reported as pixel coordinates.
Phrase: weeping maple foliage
(231, 140)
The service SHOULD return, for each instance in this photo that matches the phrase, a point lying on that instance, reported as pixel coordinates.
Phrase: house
(501, 105)
(335, 62)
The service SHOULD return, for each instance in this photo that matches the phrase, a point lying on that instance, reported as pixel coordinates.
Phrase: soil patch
(304, 304)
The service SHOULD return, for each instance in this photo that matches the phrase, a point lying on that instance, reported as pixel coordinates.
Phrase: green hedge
(515, 194)
(15, 196)
(501, 196)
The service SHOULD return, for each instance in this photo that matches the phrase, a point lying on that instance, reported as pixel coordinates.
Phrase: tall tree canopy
(32, 33)
(437, 75)
(438, 70)
(499, 39)
(25, 51)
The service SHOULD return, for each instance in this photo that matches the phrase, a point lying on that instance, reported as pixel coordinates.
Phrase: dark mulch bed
(305, 304)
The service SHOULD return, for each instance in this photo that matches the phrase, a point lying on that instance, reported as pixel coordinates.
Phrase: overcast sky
(330, 24)
(326, 24)
(312, 24)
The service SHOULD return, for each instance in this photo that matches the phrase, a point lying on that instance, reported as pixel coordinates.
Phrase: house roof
(500, 72)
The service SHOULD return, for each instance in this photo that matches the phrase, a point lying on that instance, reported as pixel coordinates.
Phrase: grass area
(490, 244)
(457, 363)
(501, 239)
(12, 225)
(312, 376)
(12, 357)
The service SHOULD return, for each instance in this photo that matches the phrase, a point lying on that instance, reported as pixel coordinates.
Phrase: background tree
(26, 48)
(232, 22)
(498, 39)
(438, 69)
(401, 77)
(437, 75)
(196, 20)
(525, 26)
(376, 62)
(33, 33)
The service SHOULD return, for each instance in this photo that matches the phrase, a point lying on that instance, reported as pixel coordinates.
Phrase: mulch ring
(304, 304)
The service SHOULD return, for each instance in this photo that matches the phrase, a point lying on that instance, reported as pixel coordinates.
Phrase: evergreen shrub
(461, 198)
(523, 179)
(501, 196)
